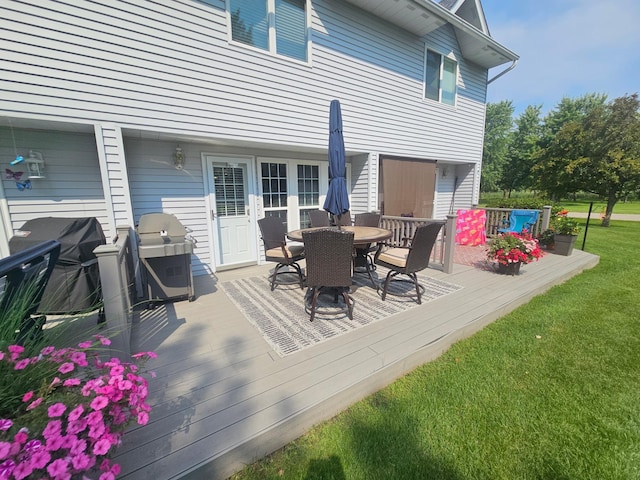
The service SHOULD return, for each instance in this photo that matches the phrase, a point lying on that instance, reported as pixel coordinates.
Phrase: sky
(567, 48)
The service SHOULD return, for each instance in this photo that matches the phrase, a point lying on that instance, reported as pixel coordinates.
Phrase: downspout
(511, 67)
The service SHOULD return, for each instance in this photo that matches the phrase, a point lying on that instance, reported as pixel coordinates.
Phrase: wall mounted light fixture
(444, 171)
(178, 158)
(35, 165)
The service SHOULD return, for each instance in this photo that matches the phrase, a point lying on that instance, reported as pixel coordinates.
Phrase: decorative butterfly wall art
(9, 175)
(24, 185)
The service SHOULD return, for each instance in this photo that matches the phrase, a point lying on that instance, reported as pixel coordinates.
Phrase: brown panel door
(408, 187)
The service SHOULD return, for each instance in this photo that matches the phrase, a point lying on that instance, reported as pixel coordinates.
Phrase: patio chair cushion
(292, 251)
(395, 256)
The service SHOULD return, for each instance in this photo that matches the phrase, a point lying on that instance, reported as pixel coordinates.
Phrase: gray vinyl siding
(72, 187)
(363, 180)
(168, 67)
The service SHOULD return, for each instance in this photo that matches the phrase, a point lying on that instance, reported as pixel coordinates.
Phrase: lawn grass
(549, 391)
(580, 205)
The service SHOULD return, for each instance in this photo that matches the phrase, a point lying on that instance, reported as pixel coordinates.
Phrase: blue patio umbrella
(337, 201)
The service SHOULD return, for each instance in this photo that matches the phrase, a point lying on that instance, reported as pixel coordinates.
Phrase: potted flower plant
(547, 238)
(566, 233)
(512, 249)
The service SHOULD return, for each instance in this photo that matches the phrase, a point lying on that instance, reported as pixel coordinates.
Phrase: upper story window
(277, 26)
(441, 73)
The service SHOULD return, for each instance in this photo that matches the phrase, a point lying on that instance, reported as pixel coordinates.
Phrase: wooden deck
(223, 398)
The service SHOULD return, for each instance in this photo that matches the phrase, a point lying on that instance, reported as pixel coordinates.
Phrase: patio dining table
(362, 238)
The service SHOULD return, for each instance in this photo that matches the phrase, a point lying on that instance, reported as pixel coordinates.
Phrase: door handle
(213, 215)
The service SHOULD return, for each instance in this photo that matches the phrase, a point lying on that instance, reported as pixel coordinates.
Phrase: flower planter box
(564, 244)
(510, 268)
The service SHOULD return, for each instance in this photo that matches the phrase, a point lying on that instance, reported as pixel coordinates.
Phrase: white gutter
(506, 70)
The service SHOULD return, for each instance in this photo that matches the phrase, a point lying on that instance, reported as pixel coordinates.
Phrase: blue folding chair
(520, 220)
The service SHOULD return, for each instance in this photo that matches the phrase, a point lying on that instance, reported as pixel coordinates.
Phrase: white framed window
(440, 77)
(276, 26)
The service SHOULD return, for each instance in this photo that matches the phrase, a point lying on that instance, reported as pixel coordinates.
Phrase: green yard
(549, 391)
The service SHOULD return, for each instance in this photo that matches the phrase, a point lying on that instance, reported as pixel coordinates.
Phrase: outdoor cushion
(292, 251)
(395, 256)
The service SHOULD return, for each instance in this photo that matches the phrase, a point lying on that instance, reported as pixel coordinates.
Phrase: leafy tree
(498, 125)
(600, 153)
(516, 172)
(550, 174)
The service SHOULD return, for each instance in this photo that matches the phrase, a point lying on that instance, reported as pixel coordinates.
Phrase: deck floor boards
(223, 398)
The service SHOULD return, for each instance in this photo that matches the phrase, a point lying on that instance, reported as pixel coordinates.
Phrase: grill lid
(159, 228)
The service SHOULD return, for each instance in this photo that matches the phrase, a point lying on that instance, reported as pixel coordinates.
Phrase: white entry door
(234, 222)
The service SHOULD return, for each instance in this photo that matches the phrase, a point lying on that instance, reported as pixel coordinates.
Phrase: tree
(498, 125)
(600, 153)
(516, 172)
(549, 171)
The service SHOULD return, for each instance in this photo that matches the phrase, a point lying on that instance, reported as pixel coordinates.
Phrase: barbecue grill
(165, 254)
(74, 285)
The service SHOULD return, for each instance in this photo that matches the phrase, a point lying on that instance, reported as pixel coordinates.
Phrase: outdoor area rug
(281, 318)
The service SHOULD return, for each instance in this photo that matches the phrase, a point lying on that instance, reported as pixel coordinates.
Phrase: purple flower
(22, 470)
(5, 424)
(56, 410)
(35, 403)
(6, 468)
(71, 382)
(77, 426)
(33, 446)
(85, 344)
(80, 358)
(53, 429)
(47, 350)
(76, 413)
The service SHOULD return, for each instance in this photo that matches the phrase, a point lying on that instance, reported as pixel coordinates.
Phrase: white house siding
(114, 174)
(168, 67)
(364, 186)
(72, 187)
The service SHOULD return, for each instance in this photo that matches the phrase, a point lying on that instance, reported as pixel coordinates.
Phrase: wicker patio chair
(328, 256)
(410, 259)
(274, 238)
(365, 251)
(344, 220)
(319, 218)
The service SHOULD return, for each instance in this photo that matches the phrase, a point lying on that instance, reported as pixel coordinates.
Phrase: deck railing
(499, 217)
(117, 278)
(403, 229)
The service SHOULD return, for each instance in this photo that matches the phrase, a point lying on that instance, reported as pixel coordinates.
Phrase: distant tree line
(584, 144)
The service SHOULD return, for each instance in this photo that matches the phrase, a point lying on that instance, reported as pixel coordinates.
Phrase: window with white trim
(277, 26)
(441, 73)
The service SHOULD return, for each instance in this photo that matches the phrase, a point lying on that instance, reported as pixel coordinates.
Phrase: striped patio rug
(283, 321)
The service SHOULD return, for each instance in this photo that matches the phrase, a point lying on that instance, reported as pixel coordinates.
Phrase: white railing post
(546, 218)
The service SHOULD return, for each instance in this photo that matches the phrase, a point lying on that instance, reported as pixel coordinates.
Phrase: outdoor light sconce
(35, 165)
(444, 172)
(178, 158)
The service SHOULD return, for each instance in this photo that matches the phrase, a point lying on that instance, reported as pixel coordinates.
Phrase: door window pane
(230, 193)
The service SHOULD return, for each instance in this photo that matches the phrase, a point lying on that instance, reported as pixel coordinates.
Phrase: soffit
(421, 17)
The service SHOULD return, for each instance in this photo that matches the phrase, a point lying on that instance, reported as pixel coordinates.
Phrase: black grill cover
(74, 285)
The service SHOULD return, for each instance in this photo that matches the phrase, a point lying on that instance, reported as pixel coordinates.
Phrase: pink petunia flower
(66, 367)
(5, 448)
(71, 382)
(5, 424)
(53, 429)
(54, 443)
(95, 418)
(6, 468)
(22, 364)
(22, 470)
(1, 355)
(58, 468)
(80, 358)
(35, 403)
(101, 447)
(75, 413)
(99, 402)
(143, 418)
(107, 476)
(56, 410)
(77, 426)
(85, 344)
(79, 447)
(97, 431)
(80, 461)
(47, 350)
(40, 459)
(21, 437)
(103, 340)
(15, 351)
(27, 396)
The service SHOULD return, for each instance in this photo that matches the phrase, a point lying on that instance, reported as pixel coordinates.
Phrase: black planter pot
(564, 244)
(510, 268)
